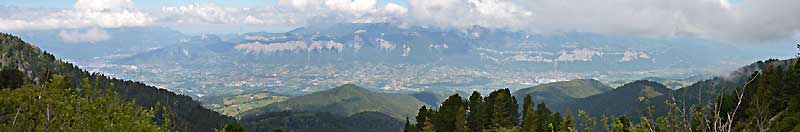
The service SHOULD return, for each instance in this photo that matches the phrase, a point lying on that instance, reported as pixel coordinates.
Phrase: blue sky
(159, 3)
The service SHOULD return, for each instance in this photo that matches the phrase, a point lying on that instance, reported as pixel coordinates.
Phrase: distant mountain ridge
(387, 43)
(117, 42)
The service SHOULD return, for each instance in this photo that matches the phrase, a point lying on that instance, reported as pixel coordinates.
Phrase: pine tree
(513, 107)
(443, 119)
(527, 113)
(460, 121)
(543, 114)
(527, 103)
(556, 121)
(568, 125)
(409, 127)
(529, 123)
(422, 115)
(488, 110)
(501, 116)
(476, 118)
(11, 78)
(428, 126)
(233, 127)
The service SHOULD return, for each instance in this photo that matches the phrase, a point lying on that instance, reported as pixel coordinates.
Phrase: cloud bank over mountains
(750, 20)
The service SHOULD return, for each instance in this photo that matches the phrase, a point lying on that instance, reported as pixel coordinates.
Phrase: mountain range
(477, 46)
(352, 108)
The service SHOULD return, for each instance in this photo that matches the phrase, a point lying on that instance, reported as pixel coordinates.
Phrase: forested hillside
(296, 121)
(624, 100)
(764, 101)
(345, 108)
(38, 66)
(558, 92)
(346, 100)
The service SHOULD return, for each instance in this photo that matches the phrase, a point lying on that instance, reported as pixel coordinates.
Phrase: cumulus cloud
(287, 13)
(86, 13)
(461, 13)
(716, 19)
(91, 35)
(103, 4)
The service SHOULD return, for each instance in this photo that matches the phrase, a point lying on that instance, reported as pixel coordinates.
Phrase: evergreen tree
(444, 119)
(233, 127)
(529, 123)
(460, 121)
(568, 125)
(11, 78)
(422, 115)
(428, 126)
(513, 108)
(543, 114)
(502, 113)
(527, 103)
(476, 118)
(409, 127)
(488, 110)
(556, 122)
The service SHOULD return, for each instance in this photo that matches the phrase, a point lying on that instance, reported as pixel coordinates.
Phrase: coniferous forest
(768, 101)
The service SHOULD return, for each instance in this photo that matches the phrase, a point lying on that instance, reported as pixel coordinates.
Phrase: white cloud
(201, 13)
(286, 13)
(460, 13)
(86, 13)
(91, 35)
(103, 4)
(715, 19)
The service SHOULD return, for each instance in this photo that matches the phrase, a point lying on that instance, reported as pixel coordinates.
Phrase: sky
(724, 20)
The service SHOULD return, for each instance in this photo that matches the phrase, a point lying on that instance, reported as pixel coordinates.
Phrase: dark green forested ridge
(346, 100)
(297, 121)
(558, 92)
(36, 65)
(701, 92)
(623, 100)
(766, 100)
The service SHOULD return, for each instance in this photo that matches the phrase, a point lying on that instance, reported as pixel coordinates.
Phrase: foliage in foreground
(56, 107)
